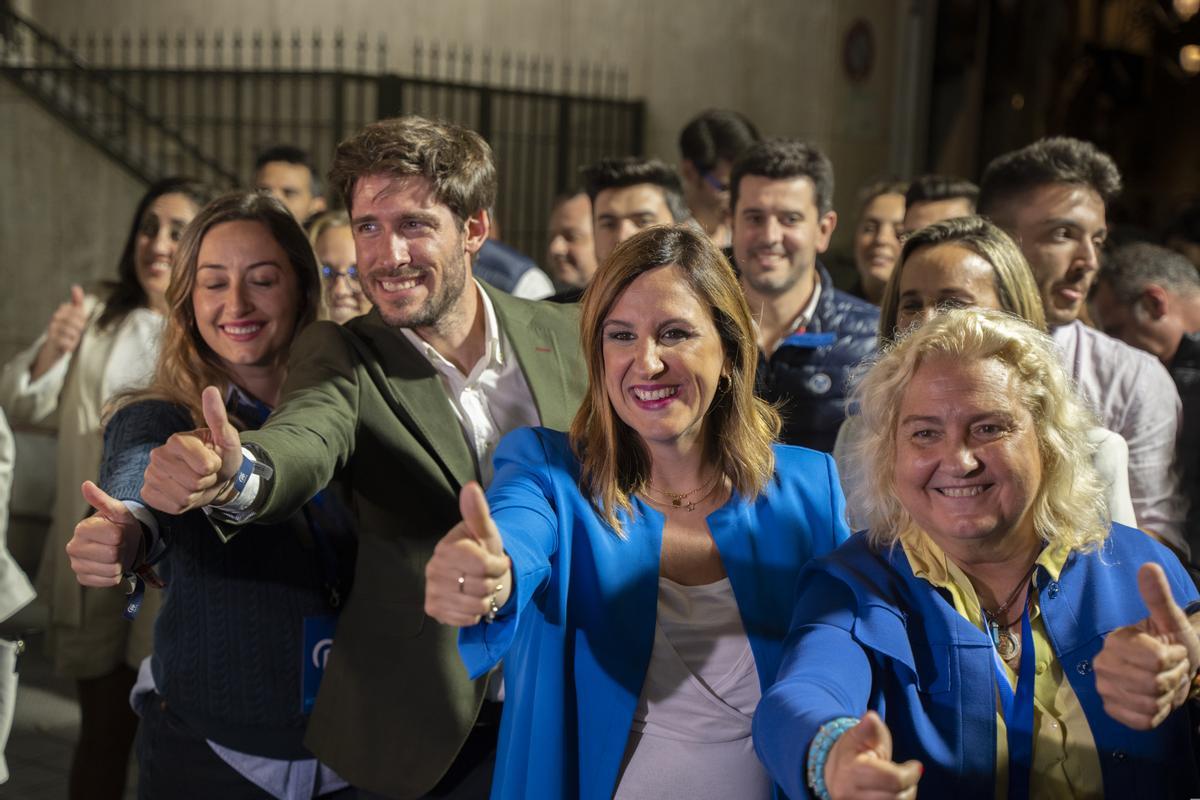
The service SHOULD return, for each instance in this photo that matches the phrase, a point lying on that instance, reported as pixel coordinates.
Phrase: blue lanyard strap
(1018, 712)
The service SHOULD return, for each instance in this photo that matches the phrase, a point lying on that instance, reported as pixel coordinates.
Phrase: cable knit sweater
(228, 641)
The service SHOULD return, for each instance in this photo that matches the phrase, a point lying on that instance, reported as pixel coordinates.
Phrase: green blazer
(396, 704)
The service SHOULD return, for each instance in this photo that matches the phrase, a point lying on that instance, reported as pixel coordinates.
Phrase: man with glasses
(708, 146)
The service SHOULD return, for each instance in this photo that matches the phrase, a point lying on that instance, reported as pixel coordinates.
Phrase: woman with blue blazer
(992, 634)
(636, 576)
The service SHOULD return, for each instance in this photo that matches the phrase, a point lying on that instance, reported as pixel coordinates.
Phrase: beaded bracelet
(818, 753)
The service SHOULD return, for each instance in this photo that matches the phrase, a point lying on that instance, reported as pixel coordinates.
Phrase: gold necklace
(677, 498)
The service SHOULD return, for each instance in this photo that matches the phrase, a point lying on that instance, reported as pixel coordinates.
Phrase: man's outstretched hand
(195, 468)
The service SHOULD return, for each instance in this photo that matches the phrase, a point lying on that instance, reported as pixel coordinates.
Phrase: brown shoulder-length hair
(186, 364)
(739, 426)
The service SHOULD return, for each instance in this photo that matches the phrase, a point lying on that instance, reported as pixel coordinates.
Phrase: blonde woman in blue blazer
(992, 635)
(636, 576)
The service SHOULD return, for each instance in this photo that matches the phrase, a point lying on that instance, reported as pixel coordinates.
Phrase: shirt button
(1083, 667)
(1041, 667)
(1118, 755)
(1054, 725)
(1052, 589)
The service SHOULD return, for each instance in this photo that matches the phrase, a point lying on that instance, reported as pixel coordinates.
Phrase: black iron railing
(98, 108)
(204, 104)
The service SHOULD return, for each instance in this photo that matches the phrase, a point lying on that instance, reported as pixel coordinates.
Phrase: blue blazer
(869, 635)
(577, 634)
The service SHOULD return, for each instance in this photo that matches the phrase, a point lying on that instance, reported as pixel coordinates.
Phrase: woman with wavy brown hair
(224, 692)
(635, 574)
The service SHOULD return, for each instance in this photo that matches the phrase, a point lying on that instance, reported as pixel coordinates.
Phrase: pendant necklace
(680, 499)
(1006, 643)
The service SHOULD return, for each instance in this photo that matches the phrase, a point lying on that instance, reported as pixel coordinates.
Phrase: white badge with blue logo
(318, 641)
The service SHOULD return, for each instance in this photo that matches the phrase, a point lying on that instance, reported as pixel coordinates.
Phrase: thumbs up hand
(860, 764)
(105, 544)
(195, 468)
(469, 569)
(62, 334)
(1144, 671)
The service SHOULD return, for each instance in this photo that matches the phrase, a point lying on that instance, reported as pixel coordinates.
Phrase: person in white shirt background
(1051, 197)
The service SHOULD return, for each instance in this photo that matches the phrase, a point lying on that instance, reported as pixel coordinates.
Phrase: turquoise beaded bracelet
(818, 753)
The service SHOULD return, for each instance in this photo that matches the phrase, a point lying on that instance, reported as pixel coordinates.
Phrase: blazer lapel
(546, 360)
(413, 389)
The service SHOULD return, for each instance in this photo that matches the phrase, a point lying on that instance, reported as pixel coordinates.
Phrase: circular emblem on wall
(858, 51)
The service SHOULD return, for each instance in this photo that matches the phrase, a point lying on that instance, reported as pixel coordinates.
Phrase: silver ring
(462, 579)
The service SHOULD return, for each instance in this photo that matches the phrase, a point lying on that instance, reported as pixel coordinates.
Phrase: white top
(15, 589)
(134, 353)
(1133, 395)
(691, 732)
(533, 285)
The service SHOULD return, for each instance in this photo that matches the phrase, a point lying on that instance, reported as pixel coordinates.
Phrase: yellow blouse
(1065, 762)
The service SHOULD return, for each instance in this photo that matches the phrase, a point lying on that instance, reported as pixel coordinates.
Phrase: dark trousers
(175, 763)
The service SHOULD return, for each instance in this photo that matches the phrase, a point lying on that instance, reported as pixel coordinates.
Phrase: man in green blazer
(404, 406)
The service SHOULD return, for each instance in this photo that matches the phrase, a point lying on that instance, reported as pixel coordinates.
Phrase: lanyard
(1018, 712)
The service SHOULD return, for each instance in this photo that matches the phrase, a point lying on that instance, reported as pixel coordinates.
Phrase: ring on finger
(462, 580)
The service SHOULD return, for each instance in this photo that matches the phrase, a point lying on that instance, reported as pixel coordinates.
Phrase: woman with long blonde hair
(992, 634)
(967, 262)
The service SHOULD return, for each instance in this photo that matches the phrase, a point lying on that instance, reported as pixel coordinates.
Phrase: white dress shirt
(1133, 395)
(533, 285)
(490, 400)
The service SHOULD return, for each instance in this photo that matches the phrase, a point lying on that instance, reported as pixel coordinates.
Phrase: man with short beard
(406, 404)
(810, 335)
(1050, 197)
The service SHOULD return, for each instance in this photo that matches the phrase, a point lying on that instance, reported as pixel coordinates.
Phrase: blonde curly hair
(1069, 507)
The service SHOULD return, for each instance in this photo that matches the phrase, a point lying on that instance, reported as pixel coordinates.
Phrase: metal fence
(229, 96)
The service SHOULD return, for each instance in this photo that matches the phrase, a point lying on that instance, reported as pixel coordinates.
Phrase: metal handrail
(66, 68)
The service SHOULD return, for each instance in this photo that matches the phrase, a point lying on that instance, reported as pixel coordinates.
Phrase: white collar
(494, 345)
